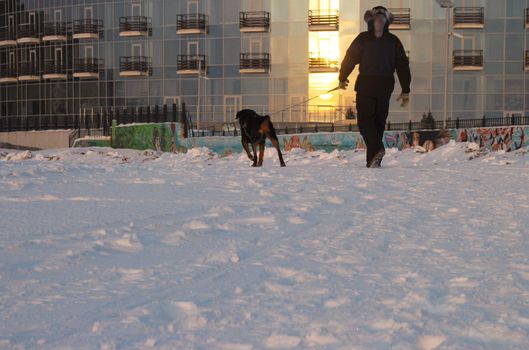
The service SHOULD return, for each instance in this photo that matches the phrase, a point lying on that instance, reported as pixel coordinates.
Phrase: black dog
(255, 129)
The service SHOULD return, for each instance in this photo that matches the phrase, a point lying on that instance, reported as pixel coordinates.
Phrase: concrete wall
(166, 137)
(42, 139)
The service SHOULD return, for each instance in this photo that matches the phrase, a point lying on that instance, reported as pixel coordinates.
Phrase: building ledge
(467, 68)
(187, 71)
(54, 76)
(254, 29)
(253, 70)
(400, 26)
(133, 73)
(54, 38)
(8, 80)
(8, 43)
(28, 78)
(86, 75)
(86, 36)
(191, 31)
(469, 25)
(28, 40)
(129, 33)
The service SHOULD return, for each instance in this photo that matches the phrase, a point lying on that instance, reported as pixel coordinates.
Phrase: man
(379, 53)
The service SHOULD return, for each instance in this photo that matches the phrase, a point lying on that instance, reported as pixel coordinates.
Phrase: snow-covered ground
(104, 249)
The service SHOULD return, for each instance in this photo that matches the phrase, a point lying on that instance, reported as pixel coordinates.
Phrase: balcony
(28, 33)
(196, 23)
(401, 20)
(135, 26)
(469, 17)
(54, 31)
(54, 70)
(135, 66)
(323, 65)
(8, 74)
(28, 71)
(7, 37)
(87, 29)
(467, 60)
(324, 20)
(191, 64)
(254, 63)
(254, 22)
(87, 68)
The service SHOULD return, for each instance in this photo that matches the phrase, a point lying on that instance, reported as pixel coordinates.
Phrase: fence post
(156, 114)
(149, 116)
(332, 127)
(117, 116)
(484, 121)
(174, 113)
(389, 125)
(512, 119)
(350, 127)
(300, 129)
(165, 113)
(184, 120)
(213, 131)
(409, 125)
(316, 128)
(457, 123)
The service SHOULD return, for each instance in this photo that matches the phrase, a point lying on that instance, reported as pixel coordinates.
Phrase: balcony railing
(28, 33)
(469, 17)
(253, 22)
(87, 67)
(467, 60)
(28, 71)
(87, 29)
(135, 26)
(401, 18)
(54, 31)
(254, 63)
(194, 23)
(7, 37)
(321, 65)
(135, 66)
(8, 73)
(191, 64)
(54, 70)
(324, 20)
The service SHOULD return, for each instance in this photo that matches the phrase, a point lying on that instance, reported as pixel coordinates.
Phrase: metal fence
(98, 122)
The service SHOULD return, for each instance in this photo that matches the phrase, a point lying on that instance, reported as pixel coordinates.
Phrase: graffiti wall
(167, 137)
(159, 137)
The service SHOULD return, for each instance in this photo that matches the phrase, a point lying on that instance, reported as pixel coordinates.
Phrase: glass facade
(61, 58)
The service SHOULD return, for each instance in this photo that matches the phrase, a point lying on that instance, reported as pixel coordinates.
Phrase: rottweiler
(255, 129)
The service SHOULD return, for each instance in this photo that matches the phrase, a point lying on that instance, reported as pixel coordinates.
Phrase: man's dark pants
(372, 114)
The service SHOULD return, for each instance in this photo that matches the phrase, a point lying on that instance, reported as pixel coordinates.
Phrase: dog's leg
(247, 149)
(254, 149)
(275, 143)
(261, 153)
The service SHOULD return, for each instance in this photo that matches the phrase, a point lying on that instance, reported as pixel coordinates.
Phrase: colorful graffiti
(159, 137)
(167, 137)
(426, 140)
(496, 139)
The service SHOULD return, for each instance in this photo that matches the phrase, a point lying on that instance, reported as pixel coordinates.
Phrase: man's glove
(343, 84)
(404, 100)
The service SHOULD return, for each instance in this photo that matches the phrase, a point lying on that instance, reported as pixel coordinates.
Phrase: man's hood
(369, 17)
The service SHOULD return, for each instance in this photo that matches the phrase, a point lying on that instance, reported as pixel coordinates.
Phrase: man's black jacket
(378, 60)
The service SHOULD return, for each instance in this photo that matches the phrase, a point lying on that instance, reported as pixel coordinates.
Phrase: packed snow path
(104, 249)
